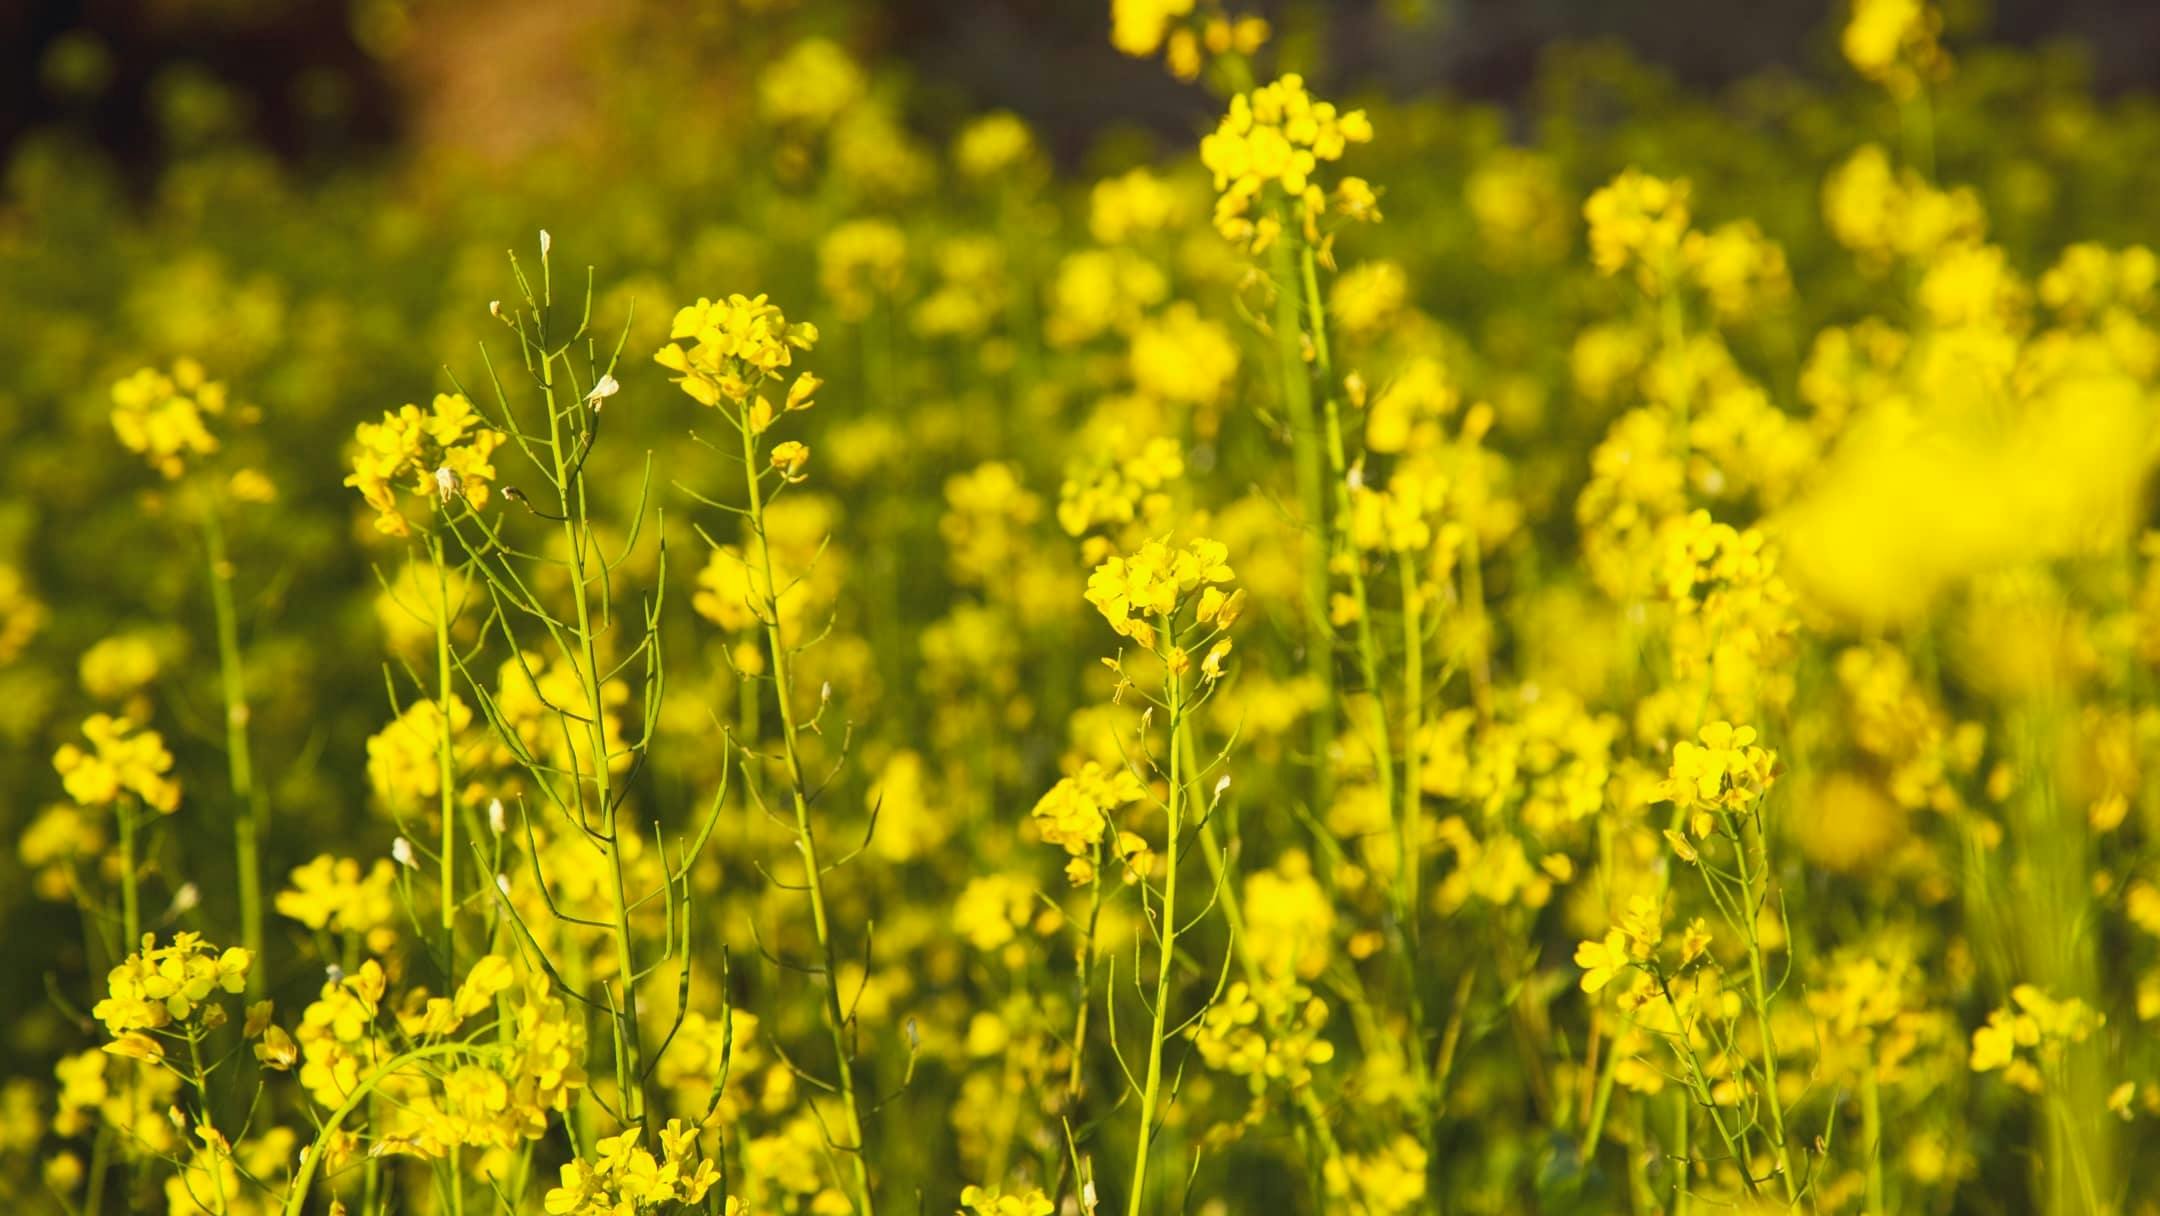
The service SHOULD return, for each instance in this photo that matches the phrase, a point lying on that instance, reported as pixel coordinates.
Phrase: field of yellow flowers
(1386, 657)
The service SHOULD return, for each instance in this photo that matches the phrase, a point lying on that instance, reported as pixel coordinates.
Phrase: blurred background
(321, 81)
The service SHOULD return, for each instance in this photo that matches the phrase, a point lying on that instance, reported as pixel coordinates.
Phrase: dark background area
(314, 87)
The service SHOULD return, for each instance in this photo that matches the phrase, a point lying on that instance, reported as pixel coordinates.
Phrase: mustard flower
(1724, 772)
(443, 454)
(1639, 221)
(736, 346)
(1893, 43)
(1277, 135)
(158, 986)
(121, 760)
(1156, 581)
(162, 417)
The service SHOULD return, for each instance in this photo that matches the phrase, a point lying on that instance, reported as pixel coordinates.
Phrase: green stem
(130, 900)
(577, 541)
(1682, 1159)
(311, 1158)
(1368, 650)
(1871, 1132)
(1410, 829)
(1174, 806)
(1087, 993)
(201, 1084)
(1306, 454)
(1752, 899)
(240, 766)
(806, 838)
(1403, 933)
(445, 758)
(1318, 1121)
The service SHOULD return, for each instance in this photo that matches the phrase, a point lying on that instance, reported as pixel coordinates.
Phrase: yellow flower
(1726, 771)
(332, 893)
(1076, 810)
(159, 985)
(121, 760)
(1154, 583)
(1276, 135)
(736, 345)
(119, 666)
(1640, 221)
(996, 1202)
(442, 453)
(991, 907)
(404, 763)
(810, 84)
(22, 614)
(161, 417)
(994, 144)
(1893, 42)
(1138, 27)
(861, 263)
(791, 458)
(1602, 960)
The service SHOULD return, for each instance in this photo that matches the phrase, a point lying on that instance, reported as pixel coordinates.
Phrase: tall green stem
(1410, 829)
(1087, 994)
(1871, 1132)
(311, 1158)
(1338, 467)
(1306, 455)
(1752, 897)
(1403, 933)
(130, 900)
(805, 837)
(1317, 1119)
(1166, 958)
(239, 760)
(577, 542)
(201, 1084)
(445, 759)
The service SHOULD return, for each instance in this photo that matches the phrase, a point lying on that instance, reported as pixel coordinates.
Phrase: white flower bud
(495, 816)
(606, 388)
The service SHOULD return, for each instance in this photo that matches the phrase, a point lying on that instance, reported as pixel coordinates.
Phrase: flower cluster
(1278, 135)
(443, 453)
(159, 986)
(1639, 221)
(162, 417)
(1723, 772)
(1274, 1036)
(122, 760)
(994, 1201)
(1893, 42)
(620, 1178)
(334, 893)
(737, 346)
(1135, 593)
(1140, 28)
(1076, 811)
(2027, 1037)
